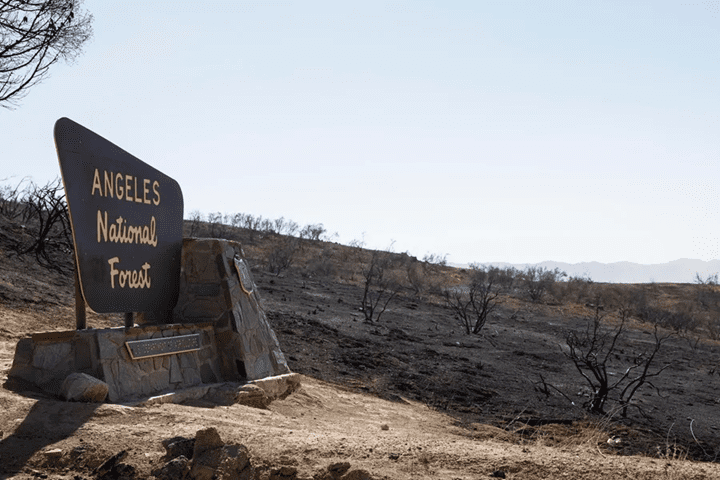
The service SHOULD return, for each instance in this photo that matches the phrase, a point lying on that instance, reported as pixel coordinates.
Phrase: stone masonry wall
(46, 359)
(216, 286)
(128, 378)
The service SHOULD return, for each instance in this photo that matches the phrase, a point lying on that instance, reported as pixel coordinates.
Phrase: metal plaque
(154, 347)
(246, 282)
(127, 220)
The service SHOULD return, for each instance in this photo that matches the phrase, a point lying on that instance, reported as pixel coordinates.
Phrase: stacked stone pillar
(216, 286)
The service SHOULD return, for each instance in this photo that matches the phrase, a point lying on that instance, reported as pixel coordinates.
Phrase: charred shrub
(611, 374)
(539, 281)
(380, 285)
(281, 253)
(425, 276)
(471, 304)
(322, 265)
(43, 212)
(574, 289)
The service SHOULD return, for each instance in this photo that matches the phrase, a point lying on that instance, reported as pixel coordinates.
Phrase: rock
(82, 387)
(213, 460)
(279, 386)
(230, 394)
(199, 471)
(53, 454)
(78, 451)
(222, 394)
(337, 470)
(109, 465)
(236, 464)
(229, 462)
(122, 471)
(284, 473)
(206, 439)
(357, 475)
(252, 396)
(176, 469)
(179, 446)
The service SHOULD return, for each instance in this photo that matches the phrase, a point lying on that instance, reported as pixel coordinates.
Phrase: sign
(243, 271)
(127, 220)
(154, 347)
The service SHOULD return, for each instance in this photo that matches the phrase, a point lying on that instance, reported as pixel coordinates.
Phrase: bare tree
(195, 219)
(215, 222)
(47, 217)
(314, 232)
(10, 200)
(35, 34)
(426, 275)
(282, 253)
(380, 286)
(473, 304)
(435, 259)
(710, 280)
(597, 357)
(417, 278)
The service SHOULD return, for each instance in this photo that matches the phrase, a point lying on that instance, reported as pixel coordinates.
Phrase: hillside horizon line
(682, 270)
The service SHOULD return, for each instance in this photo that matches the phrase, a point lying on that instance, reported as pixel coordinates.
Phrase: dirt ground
(408, 397)
(314, 427)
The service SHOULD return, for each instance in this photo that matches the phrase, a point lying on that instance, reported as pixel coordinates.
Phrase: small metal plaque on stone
(246, 282)
(154, 347)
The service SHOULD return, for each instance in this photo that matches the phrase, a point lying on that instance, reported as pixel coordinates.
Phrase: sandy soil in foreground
(317, 425)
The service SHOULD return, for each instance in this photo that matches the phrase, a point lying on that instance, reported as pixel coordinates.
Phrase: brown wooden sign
(126, 219)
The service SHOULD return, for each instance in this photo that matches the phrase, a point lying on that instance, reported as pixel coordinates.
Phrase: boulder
(230, 394)
(235, 464)
(206, 439)
(176, 469)
(252, 396)
(179, 446)
(213, 460)
(82, 387)
(284, 473)
(337, 470)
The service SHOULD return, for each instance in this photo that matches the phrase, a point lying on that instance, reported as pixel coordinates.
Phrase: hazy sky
(516, 131)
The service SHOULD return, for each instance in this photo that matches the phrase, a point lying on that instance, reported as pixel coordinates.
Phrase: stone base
(218, 302)
(216, 286)
(46, 359)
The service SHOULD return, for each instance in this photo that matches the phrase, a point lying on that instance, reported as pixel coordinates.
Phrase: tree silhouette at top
(34, 34)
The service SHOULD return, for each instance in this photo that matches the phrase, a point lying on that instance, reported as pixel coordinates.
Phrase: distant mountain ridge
(677, 271)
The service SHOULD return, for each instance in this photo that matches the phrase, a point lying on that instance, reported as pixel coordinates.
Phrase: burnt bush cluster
(473, 303)
(224, 225)
(279, 241)
(37, 222)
